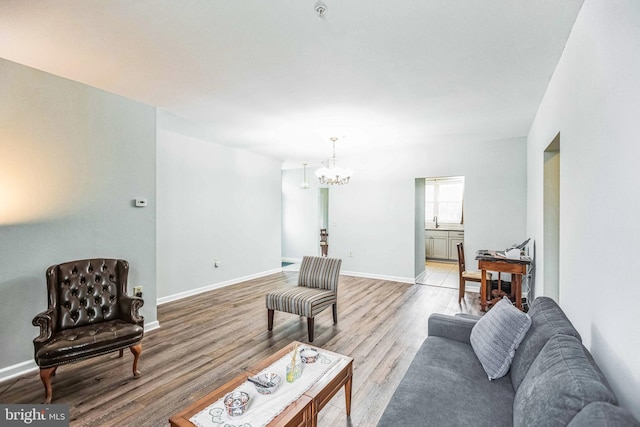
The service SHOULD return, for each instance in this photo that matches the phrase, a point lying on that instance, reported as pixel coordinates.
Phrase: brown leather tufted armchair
(89, 314)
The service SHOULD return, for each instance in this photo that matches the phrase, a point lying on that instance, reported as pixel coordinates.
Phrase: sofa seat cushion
(560, 382)
(445, 385)
(301, 300)
(547, 320)
(88, 341)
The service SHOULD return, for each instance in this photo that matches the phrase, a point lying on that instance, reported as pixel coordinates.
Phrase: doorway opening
(323, 221)
(439, 228)
(551, 206)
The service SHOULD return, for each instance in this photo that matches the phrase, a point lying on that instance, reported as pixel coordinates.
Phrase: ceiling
(273, 77)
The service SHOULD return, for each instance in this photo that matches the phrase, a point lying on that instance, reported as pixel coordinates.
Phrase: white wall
(300, 215)
(213, 202)
(593, 100)
(374, 215)
(72, 159)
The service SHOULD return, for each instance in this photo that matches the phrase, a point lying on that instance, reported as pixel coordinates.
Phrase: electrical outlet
(350, 254)
(137, 291)
(216, 263)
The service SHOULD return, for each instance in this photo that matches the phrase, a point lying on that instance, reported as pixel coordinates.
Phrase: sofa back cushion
(603, 414)
(547, 320)
(560, 382)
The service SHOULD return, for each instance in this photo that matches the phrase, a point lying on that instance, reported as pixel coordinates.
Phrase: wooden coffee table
(302, 412)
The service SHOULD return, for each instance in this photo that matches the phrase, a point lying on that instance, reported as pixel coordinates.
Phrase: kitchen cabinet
(441, 244)
(437, 244)
(455, 237)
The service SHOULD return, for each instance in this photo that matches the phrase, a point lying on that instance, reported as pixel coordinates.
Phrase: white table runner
(264, 408)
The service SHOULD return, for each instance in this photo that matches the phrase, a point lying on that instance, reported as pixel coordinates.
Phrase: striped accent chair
(317, 289)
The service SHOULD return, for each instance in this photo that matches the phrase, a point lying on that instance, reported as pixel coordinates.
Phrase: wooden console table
(517, 268)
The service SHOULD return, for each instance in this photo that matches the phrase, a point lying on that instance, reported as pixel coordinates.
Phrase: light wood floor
(206, 340)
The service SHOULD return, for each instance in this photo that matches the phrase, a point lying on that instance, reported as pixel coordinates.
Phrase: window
(443, 200)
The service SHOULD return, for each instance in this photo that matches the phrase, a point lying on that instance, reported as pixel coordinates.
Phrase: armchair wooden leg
(136, 350)
(310, 328)
(45, 376)
(335, 312)
(121, 352)
(270, 319)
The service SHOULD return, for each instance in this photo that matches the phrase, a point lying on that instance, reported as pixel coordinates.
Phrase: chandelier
(334, 175)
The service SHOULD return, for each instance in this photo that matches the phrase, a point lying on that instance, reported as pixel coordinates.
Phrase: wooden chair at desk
(464, 275)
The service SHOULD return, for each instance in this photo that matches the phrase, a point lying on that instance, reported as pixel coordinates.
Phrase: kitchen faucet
(435, 219)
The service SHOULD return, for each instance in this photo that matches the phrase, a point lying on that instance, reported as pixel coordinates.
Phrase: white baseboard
(18, 370)
(151, 326)
(30, 366)
(197, 291)
(379, 277)
(287, 259)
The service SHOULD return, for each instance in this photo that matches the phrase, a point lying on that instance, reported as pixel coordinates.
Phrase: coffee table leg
(347, 395)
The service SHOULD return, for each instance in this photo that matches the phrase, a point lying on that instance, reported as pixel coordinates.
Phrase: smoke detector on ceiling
(320, 8)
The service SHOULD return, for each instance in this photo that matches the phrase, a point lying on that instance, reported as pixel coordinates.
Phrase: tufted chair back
(320, 272)
(86, 291)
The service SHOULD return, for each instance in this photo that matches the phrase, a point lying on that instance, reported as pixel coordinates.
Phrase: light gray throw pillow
(497, 335)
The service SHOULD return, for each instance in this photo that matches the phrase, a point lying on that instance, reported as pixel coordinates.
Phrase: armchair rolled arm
(47, 322)
(130, 309)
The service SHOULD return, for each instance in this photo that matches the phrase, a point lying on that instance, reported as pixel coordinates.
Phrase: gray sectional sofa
(553, 380)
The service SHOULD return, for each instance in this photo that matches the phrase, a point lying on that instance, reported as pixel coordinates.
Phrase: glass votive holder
(293, 372)
(236, 403)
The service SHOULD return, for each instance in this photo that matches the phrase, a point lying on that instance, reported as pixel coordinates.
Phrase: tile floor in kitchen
(443, 274)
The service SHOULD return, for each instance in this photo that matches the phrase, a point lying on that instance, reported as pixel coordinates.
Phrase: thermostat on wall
(141, 203)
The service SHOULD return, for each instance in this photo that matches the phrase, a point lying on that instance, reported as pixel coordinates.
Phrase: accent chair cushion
(301, 300)
(497, 335)
(475, 275)
(87, 341)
